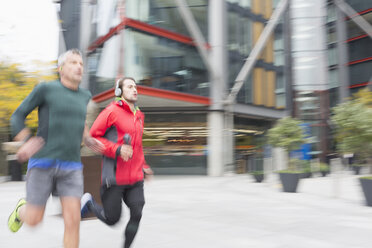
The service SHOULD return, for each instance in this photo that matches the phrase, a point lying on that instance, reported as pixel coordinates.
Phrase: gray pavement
(219, 212)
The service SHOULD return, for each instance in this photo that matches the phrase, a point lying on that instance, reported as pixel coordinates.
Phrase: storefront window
(176, 143)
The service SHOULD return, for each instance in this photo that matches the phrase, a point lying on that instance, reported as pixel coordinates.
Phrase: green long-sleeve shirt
(62, 113)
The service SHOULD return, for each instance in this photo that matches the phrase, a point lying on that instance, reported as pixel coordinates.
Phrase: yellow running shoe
(14, 222)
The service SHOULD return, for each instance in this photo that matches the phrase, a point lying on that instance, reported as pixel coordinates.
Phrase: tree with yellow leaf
(15, 85)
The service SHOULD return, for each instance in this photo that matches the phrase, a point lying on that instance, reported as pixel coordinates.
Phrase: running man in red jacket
(119, 127)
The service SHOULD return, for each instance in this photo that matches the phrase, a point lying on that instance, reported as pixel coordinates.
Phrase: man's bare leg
(31, 214)
(23, 212)
(71, 217)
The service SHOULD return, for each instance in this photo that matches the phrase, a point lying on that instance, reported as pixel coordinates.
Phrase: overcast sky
(28, 31)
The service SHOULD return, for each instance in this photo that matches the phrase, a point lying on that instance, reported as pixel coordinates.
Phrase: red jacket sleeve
(145, 165)
(104, 121)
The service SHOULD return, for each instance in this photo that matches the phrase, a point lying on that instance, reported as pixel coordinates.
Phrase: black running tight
(110, 212)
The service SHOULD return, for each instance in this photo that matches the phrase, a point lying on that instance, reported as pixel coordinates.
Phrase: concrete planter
(367, 189)
(258, 177)
(289, 181)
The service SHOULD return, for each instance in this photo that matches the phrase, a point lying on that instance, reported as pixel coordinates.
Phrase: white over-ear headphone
(118, 91)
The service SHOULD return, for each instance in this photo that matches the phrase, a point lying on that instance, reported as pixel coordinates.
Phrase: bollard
(15, 168)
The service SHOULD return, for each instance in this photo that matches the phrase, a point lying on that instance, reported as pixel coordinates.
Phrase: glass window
(245, 94)
(331, 37)
(280, 100)
(245, 41)
(275, 3)
(98, 84)
(165, 14)
(333, 97)
(360, 49)
(353, 29)
(359, 5)
(245, 3)
(235, 64)
(360, 73)
(332, 56)
(278, 41)
(233, 30)
(331, 13)
(280, 91)
(154, 62)
(280, 87)
(333, 78)
(239, 32)
(279, 58)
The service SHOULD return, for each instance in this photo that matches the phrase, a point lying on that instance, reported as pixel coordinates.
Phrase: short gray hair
(63, 56)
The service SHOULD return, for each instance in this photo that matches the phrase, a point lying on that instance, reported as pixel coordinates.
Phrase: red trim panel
(103, 96)
(159, 31)
(149, 91)
(365, 11)
(357, 38)
(145, 28)
(100, 40)
(359, 85)
(359, 61)
(361, 13)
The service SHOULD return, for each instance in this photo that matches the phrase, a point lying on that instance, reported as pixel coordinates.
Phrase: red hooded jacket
(111, 125)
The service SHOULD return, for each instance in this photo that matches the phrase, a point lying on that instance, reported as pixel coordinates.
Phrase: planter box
(290, 181)
(367, 190)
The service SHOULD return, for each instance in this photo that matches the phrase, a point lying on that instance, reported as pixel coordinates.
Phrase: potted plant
(352, 121)
(305, 166)
(258, 168)
(259, 176)
(288, 134)
(324, 169)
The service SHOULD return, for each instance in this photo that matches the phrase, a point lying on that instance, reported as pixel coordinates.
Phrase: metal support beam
(353, 15)
(342, 51)
(195, 32)
(256, 51)
(287, 39)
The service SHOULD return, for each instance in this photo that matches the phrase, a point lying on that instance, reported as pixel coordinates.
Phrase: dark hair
(120, 82)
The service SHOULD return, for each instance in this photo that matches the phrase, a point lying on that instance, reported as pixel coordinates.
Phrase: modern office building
(331, 56)
(358, 53)
(188, 127)
(314, 59)
(349, 51)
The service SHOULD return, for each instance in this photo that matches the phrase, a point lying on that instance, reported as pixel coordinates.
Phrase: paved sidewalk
(218, 212)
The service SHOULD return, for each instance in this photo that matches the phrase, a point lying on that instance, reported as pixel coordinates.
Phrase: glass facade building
(149, 41)
(359, 47)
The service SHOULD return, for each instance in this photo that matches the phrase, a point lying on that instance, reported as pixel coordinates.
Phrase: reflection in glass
(153, 61)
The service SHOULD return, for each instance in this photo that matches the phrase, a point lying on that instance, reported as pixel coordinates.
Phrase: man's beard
(130, 100)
